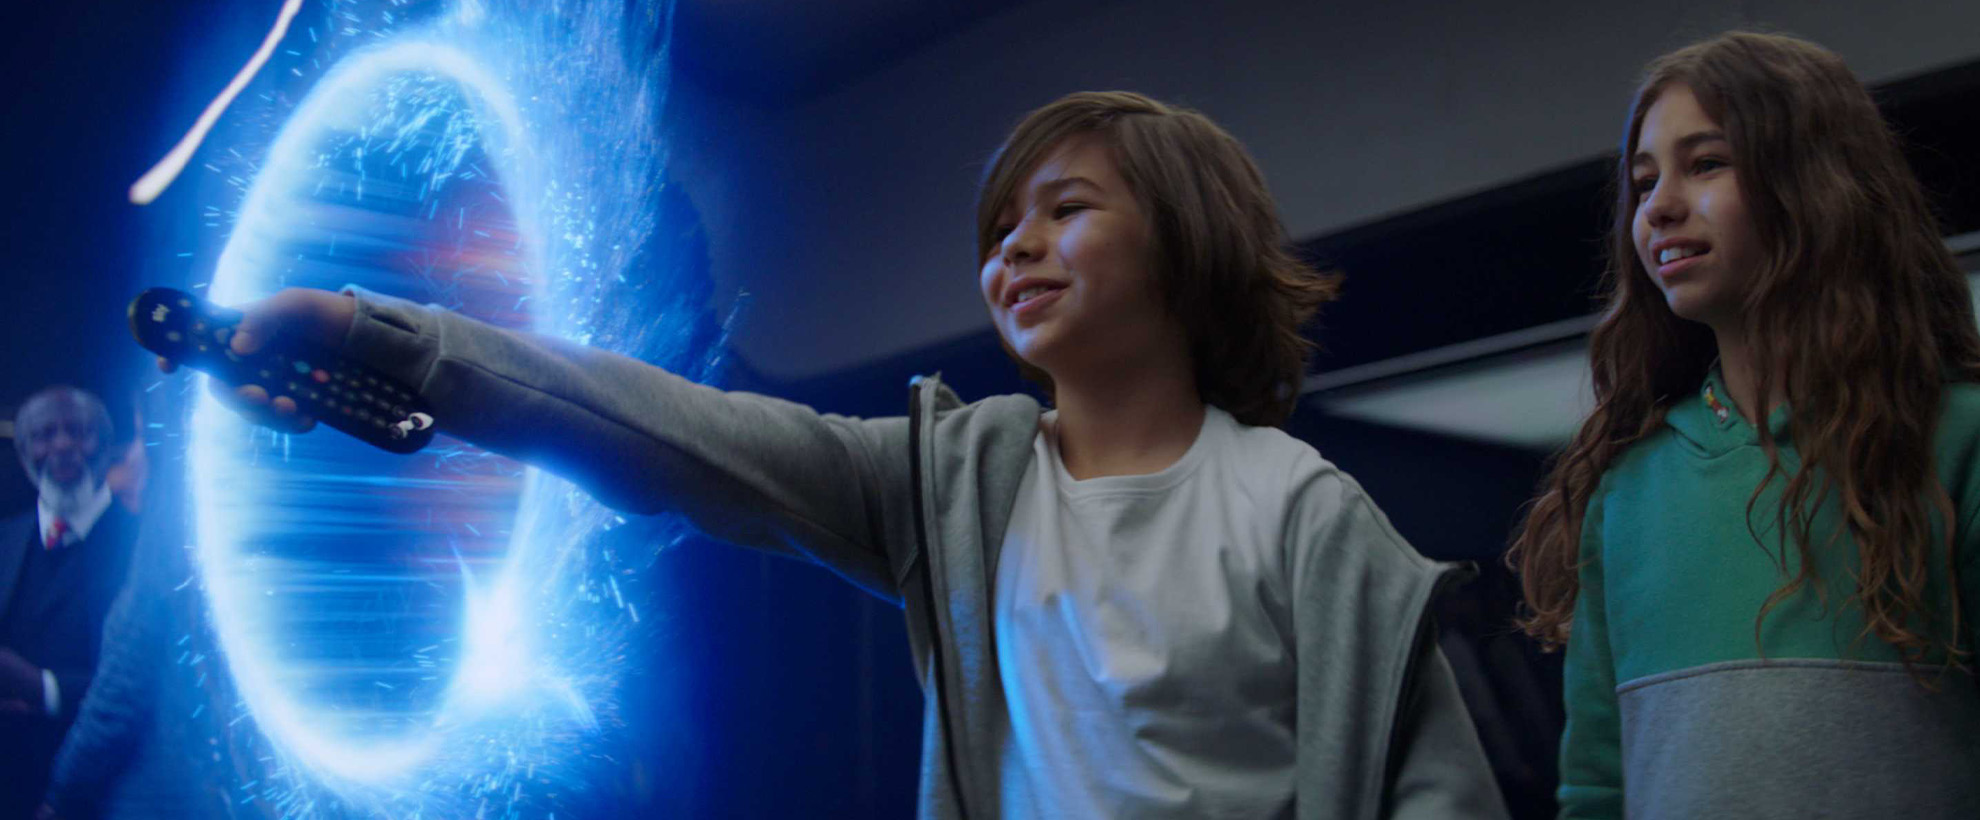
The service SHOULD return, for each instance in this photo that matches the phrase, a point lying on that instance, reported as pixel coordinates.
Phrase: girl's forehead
(1674, 107)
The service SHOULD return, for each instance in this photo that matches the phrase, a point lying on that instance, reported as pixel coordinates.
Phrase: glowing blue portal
(413, 632)
(257, 578)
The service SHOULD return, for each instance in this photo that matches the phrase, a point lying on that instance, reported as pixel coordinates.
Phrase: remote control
(336, 391)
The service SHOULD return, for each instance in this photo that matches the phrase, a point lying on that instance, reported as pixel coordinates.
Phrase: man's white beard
(67, 501)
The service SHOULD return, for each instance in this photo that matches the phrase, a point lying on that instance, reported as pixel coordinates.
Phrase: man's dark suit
(52, 606)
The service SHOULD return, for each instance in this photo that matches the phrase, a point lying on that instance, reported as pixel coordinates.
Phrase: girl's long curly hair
(1860, 318)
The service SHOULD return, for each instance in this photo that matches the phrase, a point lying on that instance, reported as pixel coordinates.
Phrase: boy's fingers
(279, 412)
(250, 401)
(249, 334)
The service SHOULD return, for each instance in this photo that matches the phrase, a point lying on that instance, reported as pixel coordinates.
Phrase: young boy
(1142, 602)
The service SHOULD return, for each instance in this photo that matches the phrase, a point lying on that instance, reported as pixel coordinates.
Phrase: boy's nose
(1022, 245)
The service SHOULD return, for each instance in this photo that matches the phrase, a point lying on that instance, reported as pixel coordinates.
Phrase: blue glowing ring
(233, 496)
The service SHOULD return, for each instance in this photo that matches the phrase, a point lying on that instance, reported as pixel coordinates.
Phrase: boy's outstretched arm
(749, 469)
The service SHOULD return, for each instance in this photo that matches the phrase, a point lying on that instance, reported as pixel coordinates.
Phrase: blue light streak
(437, 635)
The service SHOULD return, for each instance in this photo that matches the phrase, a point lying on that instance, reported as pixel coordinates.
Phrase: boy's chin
(1028, 348)
(1036, 356)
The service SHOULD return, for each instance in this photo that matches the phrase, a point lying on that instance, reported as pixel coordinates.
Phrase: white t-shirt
(1144, 634)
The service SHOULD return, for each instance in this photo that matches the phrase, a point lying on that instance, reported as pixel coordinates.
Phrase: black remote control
(336, 391)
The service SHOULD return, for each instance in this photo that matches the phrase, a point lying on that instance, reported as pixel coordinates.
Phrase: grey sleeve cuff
(397, 337)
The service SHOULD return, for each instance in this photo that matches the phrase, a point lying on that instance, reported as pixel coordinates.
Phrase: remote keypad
(336, 391)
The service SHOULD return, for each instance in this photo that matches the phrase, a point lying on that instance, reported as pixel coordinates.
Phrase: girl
(1764, 536)
(1145, 602)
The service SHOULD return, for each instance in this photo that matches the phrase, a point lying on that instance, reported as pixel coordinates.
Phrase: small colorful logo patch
(1712, 401)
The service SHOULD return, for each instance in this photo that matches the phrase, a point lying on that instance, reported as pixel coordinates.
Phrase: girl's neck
(1737, 367)
(1127, 422)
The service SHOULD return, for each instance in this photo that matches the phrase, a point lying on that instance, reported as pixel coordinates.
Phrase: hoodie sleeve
(1442, 770)
(1591, 747)
(1381, 728)
(753, 470)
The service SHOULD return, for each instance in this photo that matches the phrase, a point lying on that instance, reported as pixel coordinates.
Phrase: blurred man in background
(61, 565)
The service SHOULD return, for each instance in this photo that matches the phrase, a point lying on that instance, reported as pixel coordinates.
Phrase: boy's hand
(316, 317)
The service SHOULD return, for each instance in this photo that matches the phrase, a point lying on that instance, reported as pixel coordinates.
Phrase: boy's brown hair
(1222, 259)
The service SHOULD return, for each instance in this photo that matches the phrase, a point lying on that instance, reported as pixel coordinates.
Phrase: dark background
(768, 688)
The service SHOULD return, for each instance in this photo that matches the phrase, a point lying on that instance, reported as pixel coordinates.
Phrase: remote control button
(198, 327)
(173, 335)
(222, 334)
(266, 374)
(301, 366)
(320, 376)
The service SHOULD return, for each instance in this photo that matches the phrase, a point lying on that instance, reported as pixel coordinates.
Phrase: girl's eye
(998, 233)
(1067, 209)
(1642, 187)
(1705, 164)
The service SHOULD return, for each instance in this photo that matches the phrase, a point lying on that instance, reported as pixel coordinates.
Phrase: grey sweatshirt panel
(1798, 738)
(1382, 731)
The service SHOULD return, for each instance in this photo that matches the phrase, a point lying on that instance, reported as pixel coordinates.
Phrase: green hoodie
(1675, 710)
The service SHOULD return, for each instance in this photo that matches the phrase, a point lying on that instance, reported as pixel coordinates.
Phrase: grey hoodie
(913, 509)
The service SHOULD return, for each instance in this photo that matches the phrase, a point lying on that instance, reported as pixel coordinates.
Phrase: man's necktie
(55, 534)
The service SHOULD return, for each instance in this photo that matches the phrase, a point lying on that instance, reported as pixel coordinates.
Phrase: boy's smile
(1029, 296)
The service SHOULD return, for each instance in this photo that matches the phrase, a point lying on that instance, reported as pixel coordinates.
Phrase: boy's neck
(1128, 422)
